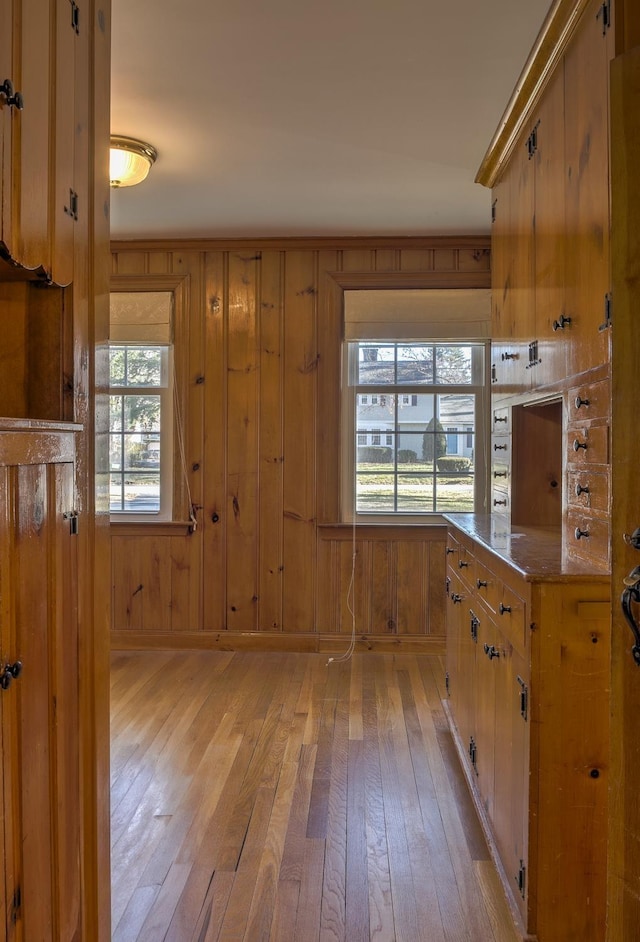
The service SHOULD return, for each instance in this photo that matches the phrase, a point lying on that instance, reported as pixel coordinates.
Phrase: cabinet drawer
(466, 565)
(588, 445)
(486, 586)
(587, 536)
(588, 489)
(591, 401)
(501, 420)
(499, 498)
(501, 450)
(452, 551)
(510, 618)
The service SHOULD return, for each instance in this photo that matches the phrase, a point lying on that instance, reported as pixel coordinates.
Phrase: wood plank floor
(274, 796)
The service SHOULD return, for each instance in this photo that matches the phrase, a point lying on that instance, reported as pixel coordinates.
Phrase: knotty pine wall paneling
(269, 562)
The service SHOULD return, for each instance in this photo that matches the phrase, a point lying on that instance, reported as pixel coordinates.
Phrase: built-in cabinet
(528, 586)
(551, 322)
(527, 678)
(54, 60)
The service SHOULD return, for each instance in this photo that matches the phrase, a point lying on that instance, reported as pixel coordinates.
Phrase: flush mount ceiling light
(130, 161)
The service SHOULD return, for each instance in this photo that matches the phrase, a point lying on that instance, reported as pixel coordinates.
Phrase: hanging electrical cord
(350, 591)
(183, 460)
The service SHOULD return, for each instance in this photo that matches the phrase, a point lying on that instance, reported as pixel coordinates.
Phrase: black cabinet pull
(456, 598)
(504, 609)
(581, 402)
(577, 445)
(481, 584)
(448, 551)
(500, 418)
(500, 447)
(491, 651)
(498, 503)
(462, 564)
(581, 489)
(579, 534)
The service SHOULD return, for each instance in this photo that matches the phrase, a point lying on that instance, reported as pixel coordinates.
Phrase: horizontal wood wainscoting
(258, 363)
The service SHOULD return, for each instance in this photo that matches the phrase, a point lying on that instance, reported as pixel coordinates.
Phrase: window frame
(164, 392)
(179, 286)
(348, 513)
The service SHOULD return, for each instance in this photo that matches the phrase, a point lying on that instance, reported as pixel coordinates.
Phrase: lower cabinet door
(487, 667)
(509, 818)
(40, 706)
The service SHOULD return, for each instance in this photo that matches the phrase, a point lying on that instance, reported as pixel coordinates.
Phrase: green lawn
(376, 485)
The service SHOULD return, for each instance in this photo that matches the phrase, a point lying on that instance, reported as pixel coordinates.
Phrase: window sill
(157, 527)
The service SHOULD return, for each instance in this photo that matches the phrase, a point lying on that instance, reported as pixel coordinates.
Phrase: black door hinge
(16, 905)
(534, 359)
(72, 517)
(607, 312)
(474, 625)
(75, 17)
(72, 208)
(446, 683)
(494, 210)
(605, 13)
(524, 698)
(521, 878)
(473, 753)
(531, 142)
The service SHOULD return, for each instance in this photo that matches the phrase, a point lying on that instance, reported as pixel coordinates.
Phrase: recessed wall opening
(537, 465)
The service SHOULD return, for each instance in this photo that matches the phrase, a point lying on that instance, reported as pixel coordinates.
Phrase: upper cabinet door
(587, 190)
(67, 203)
(7, 111)
(31, 142)
(552, 327)
(40, 199)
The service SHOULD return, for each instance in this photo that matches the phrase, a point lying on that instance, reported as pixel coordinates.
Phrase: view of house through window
(416, 423)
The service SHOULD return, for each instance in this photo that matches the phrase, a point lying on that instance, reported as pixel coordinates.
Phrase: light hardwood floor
(275, 796)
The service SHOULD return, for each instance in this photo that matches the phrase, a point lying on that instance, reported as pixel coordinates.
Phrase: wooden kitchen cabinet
(528, 708)
(586, 231)
(40, 132)
(40, 807)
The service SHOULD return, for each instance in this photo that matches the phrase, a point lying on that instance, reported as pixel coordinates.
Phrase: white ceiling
(313, 117)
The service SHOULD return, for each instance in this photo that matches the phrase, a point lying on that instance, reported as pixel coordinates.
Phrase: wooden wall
(258, 347)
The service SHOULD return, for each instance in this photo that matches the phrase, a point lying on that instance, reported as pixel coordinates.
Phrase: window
(432, 396)
(139, 429)
(141, 407)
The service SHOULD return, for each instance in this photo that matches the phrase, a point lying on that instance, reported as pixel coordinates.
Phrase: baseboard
(271, 641)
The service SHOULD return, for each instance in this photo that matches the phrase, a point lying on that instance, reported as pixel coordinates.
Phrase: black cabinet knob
(580, 534)
(581, 402)
(504, 609)
(581, 489)
(577, 445)
(13, 99)
(456, 598)
(561, 323)
(481, 584)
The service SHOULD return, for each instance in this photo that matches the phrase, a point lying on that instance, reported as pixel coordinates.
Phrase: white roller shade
(141, 317)
(418, 313)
